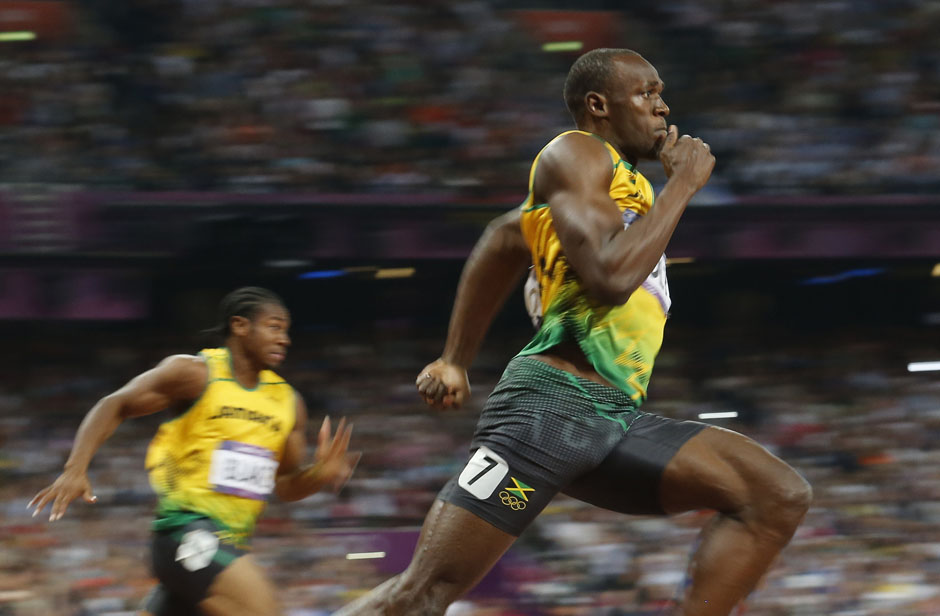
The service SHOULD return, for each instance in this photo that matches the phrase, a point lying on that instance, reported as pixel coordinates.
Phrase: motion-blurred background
(155, 154)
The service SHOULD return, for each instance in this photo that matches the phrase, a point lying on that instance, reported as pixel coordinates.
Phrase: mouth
(276, 357)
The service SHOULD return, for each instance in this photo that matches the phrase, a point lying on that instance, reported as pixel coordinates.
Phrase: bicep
(176, 379)
(508, 229)
(575, 182)
(584, 222)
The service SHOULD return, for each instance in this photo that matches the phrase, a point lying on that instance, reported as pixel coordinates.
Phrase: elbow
(611, 295)
(612, 289)
(283, 494)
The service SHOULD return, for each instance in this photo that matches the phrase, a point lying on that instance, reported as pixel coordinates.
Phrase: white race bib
(483, 473)
(533, 298)
(657, 284)
(243, 470)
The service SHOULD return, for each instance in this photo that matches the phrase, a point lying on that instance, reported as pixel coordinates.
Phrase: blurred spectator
(455, 98)
(843, 412)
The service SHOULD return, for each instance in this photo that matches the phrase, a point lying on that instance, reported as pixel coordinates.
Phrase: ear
(239, 326)
(595, 104)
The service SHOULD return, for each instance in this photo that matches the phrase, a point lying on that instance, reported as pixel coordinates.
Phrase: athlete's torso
(219, 458)
(619, 342)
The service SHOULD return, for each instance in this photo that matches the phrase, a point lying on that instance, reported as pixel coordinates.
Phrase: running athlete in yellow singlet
(565, 415)
(620, 341)
(236, 436)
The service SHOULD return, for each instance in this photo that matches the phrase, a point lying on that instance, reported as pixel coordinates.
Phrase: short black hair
(590, 72)
(243, 302)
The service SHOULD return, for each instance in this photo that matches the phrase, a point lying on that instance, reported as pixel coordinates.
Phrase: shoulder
(577, 144)
(184, 368)
(575, 158)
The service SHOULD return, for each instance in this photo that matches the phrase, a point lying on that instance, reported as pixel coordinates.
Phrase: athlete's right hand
(686, 158)
(443, 385)
(66, 488)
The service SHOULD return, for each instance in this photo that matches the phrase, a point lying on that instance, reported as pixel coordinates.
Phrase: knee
(782, 502)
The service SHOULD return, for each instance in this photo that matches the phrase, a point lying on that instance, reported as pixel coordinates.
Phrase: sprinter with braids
(237, 433)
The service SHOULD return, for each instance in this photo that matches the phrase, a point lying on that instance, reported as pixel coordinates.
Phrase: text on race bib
(483, 473)
(243, 470)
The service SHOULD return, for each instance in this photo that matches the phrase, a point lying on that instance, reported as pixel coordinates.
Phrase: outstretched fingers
(40, 500)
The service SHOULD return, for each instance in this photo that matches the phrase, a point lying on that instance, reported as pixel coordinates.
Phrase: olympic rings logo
(511, 501)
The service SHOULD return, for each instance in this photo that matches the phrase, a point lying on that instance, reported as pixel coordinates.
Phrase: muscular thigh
(242, 589)
(720, 469)
(630, 478)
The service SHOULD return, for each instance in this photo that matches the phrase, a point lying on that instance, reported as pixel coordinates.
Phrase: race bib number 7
(243, 470)
(483, 473)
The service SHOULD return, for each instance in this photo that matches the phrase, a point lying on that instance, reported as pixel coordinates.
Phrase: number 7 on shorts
(483, 473)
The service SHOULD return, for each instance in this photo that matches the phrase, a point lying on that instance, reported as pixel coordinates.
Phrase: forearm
(99, 424)
(493, 270)
(633, 253)
(299, 484)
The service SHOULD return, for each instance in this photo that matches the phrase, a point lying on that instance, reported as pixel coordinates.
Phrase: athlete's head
(255, 321)
(617, 94)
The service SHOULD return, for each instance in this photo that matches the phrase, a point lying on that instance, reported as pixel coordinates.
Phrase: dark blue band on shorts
(544, 430)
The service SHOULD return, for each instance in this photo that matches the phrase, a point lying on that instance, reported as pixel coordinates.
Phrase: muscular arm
(331, 467)
(177, 378)
(492, 271)
(574, 177)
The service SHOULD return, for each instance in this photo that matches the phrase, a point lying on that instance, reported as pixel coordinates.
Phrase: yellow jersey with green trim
(219, 459)
(621, 342)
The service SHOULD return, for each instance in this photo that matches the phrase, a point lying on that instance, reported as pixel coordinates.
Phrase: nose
(285, 339)
(662, 109)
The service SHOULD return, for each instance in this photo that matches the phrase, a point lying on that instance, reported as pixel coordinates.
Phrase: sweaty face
(637, 110)
(267, 339)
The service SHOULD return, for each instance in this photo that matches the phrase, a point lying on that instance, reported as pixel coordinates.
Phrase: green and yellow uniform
(621, 342)
(219, 459)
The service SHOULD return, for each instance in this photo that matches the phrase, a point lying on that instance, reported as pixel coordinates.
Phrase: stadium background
(155, 154)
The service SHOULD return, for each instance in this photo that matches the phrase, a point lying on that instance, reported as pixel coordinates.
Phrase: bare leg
(242, 589)
(455, 550)
(760, 502)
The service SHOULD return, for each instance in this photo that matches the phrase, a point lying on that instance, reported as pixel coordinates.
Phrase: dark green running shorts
(544, 431)
(187, 560)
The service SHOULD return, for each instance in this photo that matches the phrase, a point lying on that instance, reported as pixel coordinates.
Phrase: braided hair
(243, 302)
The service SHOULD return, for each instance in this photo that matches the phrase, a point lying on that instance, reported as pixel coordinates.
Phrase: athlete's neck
(244, 371)
(599, 131)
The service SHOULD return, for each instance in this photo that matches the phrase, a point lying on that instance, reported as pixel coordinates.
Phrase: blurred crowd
(454, 98)
(845, 413)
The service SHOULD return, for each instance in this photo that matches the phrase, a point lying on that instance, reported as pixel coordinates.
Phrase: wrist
(681, 187)
(455, 359)
(75, 468)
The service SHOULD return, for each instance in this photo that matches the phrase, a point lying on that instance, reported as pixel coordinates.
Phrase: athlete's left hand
(334, 463)
(443, 385)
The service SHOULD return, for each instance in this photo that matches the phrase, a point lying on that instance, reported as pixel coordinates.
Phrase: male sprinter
(565, 415)
(238, 433)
